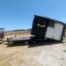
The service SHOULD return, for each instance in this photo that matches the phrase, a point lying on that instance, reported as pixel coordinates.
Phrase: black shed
(47, 28)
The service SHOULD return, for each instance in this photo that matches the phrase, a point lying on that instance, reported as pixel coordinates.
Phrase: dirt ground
(33, 55)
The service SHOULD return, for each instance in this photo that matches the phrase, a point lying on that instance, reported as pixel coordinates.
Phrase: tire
(26, 42)
(34, 42)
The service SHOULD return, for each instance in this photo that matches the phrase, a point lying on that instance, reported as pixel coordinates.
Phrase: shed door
(49, 32)
(58, 31)
(54, 33)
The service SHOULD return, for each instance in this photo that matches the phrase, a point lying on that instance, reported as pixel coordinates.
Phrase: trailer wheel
(26, 42)
(34, 42)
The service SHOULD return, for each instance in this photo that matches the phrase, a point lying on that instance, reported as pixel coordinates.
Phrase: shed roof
(50, 19)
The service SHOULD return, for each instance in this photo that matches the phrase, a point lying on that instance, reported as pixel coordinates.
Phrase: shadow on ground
(45, 42)
(38, 43)
(15, 44)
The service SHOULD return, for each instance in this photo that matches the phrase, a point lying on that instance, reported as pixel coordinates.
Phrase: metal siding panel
(54, 33)
(58, 31)
(49, 32)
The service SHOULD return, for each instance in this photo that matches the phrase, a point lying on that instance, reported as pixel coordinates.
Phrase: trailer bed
(25, 38)
(30, 39)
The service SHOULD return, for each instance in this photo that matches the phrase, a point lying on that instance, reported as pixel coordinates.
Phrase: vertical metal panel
(55, 32)
(58, 31)
(49, 32)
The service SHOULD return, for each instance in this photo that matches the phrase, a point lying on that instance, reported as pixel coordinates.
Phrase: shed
(47, 28)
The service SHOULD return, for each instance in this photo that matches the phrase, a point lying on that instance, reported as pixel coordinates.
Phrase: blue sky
(19, 14)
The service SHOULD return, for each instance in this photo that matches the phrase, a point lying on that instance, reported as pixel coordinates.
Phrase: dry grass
(64, 50)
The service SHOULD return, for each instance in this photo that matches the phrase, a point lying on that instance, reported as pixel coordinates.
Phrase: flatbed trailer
(25, 39)
(2, 30)
(30, 40)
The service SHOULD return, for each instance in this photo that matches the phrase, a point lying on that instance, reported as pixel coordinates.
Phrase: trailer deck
(25, 39)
